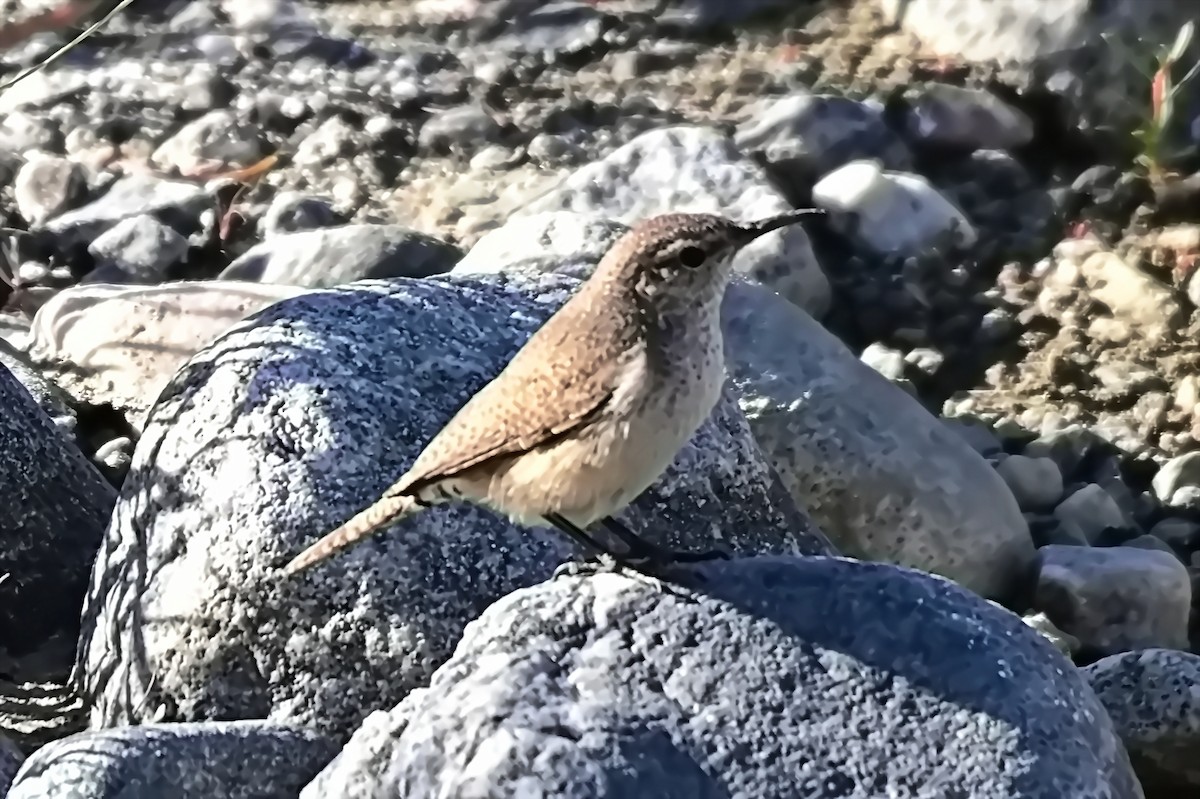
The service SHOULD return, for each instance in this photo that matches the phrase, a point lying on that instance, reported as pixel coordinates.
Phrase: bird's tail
(385, 512)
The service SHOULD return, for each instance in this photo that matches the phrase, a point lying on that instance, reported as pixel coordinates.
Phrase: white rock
(893, 213)
(122, 344)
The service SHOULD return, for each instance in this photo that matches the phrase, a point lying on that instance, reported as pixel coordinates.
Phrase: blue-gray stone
(231, 760)
(775, 678)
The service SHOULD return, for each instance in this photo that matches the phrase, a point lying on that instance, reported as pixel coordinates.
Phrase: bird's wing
(554, 384)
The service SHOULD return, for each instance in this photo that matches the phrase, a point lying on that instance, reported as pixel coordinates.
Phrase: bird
(596, 405)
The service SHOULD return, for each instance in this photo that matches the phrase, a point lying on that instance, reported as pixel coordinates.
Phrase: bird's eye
(691, 257)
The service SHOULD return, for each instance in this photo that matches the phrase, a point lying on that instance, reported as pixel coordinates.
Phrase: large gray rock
(332, 256)
(690, 168)
(227, 759)
(778, 677)
(285, 427)
(884, 478)
(53, 508)
(1152, 699)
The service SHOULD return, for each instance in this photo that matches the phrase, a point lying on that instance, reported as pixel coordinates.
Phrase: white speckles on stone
(1153, 698)
(892, 213)
(941, 114)
(46, 185)
(834, 664)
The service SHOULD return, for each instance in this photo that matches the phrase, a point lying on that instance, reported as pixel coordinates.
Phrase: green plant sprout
(1152, 134)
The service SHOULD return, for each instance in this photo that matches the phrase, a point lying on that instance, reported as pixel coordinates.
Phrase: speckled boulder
(231, 760)
(885, 479)
(53, 508)
(288, 425)
(778, 677)
(696, 169)
(1152, 699)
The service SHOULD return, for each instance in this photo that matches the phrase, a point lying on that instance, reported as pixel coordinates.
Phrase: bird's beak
(755, 229)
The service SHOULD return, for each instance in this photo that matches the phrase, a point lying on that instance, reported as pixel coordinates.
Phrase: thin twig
(60, 52)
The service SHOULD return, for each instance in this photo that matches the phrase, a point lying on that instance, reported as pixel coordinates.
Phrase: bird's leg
(604, 559)
(641, 549)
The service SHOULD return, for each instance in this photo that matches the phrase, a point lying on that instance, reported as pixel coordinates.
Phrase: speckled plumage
(598, 402)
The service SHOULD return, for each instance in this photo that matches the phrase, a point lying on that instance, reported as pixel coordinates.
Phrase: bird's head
(686, 257)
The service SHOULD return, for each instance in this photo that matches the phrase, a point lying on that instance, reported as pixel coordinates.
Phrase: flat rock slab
(286, 427)
(777, 677)
(231, 760)
(883, 477)
(121, 344)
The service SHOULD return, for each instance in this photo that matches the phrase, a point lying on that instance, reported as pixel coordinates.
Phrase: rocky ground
(977, 363)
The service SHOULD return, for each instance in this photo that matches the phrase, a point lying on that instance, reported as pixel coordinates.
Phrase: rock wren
(596, 405)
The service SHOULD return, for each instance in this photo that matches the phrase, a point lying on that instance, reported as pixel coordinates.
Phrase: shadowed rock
(53, 508)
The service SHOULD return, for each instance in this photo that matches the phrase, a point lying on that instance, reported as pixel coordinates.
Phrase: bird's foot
(597, 564)
(656, 572)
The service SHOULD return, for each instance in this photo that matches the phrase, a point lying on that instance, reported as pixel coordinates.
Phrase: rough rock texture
(777, 677)
(287, 426)
(1151, 696)
(696, 169)
(886, 480)
(53, 515)
(331, 256)
(228, 759)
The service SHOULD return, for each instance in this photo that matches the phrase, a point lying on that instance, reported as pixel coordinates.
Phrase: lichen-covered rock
(690, 168)
(884, 478)
(287, 426)
(227, 759)
(775, 677)
(1152, 699)
(53, 508)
